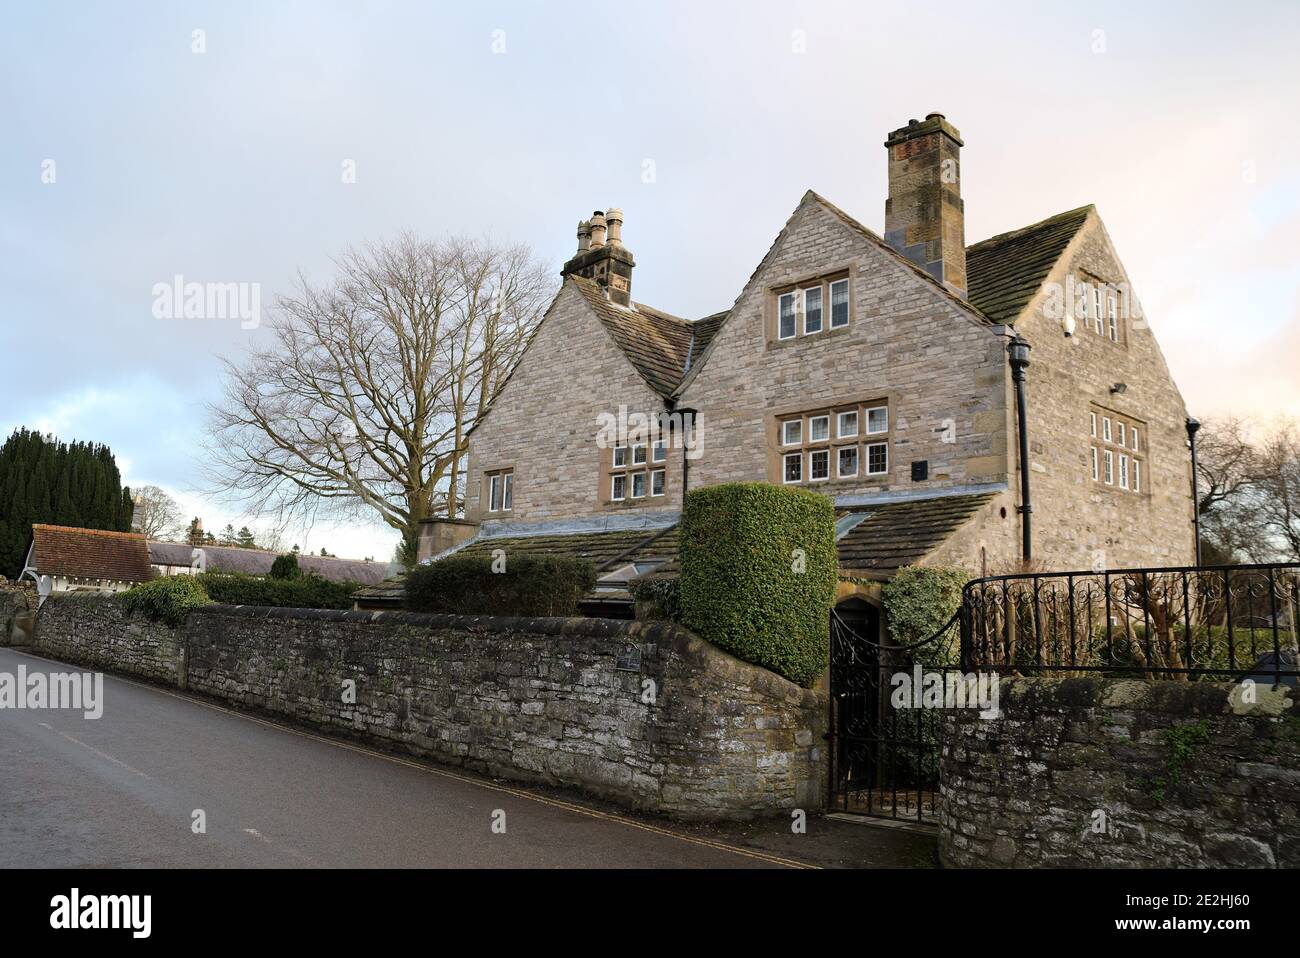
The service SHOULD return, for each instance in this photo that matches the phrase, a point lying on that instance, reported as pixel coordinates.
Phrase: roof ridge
(93, 532)
(1033, 226)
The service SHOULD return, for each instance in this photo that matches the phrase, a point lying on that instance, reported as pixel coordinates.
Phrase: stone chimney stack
(925, 219)
(602, 257)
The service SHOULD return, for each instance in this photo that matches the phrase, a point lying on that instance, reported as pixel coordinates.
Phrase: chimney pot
(584, 235)
(597, 229)
(614, 221)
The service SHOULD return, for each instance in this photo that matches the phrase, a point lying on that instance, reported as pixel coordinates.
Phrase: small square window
(819, 465)
(620, 457)
(877, 420)
(792, 432)
(618, 488)
(848, 462)
(819, 428)
(793, 469)
(877, 459)
(786, 322)
(812, 310)
(638, 485)
(638, 455)
(659, 453)
(847, 425)
(657, 482)
(839, 303)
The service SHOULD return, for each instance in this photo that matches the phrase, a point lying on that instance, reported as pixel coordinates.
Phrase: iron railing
(1184, 623)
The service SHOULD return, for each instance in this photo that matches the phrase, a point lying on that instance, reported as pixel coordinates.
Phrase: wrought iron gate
(884, 758)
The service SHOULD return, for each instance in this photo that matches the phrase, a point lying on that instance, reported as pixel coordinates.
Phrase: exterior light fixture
(1018, 356)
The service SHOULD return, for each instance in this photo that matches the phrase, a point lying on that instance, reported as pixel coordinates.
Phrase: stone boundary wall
(15, 600)
(558, 701)
(94, 630)
(1176, 774)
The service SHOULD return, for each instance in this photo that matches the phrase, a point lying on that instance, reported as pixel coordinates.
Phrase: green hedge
(918, 600)
(526, 585)
(167, 599)
(663, 596)
(758, 573)
(306, 592)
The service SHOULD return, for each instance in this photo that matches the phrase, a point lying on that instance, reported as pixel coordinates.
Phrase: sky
(136, 150)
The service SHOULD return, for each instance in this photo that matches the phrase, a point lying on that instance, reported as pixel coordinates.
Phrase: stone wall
(559, 701)
(1107, 773)
(94, 630)
(16, 602)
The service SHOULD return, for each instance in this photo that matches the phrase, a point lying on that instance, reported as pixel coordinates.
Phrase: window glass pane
(657, 482)
(638, 455)
(618, 488)
(1109, 459)
(792, 432)
(848, 461)
(1092, 425)
(638, 485)
(1137, 475)
(1134, 436)
(620, 456)
(1123, 437)
(787, 316)
(877, 459)
(507, 499)
(839, 303)
(494, 501)
(1105, 428)
(1094, 462)
(819, 464)
(794, 467)
(848, 425)
(660, 452)
(812, 310)
(878, 419)
(1123, 471)
(819, 428)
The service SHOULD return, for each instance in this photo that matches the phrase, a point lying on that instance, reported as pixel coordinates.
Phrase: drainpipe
(1018, 354)
(688, 415)
(1193, 426)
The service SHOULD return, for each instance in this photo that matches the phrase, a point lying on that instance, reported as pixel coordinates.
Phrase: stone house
(872, 368)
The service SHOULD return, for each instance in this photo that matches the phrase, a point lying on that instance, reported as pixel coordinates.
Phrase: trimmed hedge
(167, 599)
(918, 600)
(305, 592)
(758, 574)
(526, 586)
(663, 596)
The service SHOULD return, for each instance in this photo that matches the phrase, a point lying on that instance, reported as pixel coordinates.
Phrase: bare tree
(364, 399)
(157, 514)
(1276, 503)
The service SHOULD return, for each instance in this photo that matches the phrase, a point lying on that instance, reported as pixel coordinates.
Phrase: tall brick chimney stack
(602, 257)
(925, 219)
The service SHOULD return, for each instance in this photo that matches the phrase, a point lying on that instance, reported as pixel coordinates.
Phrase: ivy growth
(1182, 742)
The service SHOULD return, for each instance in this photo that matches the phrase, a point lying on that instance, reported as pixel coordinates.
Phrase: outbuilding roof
(89, 553)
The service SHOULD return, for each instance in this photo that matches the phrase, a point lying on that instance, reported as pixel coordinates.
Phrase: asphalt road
(121, 791)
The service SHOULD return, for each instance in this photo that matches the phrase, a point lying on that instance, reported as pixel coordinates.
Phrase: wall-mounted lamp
(1119, 389)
